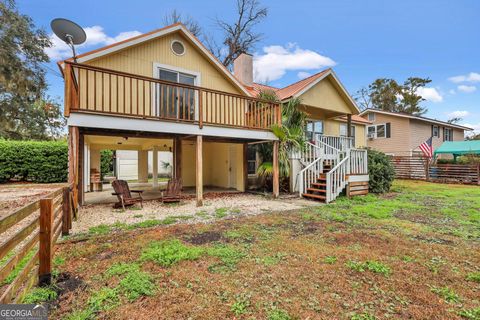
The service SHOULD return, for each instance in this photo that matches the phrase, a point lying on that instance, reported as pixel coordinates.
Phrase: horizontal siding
(399, 142)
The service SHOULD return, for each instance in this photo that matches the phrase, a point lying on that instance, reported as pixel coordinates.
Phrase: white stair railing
(358, 161)
(309, 174)
(337, 179)
(339, 143)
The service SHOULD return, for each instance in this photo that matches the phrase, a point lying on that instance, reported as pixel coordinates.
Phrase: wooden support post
(245, 167)
(66, 211)
(199, 171)
(73, 154)
(81, 169)
(68, 90)
(177, 144)
(155, 166)
(45, 245)
(349, 125)
(276, 178)
(200, 109)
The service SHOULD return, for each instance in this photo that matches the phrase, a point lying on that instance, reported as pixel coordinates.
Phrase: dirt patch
(13, 196)
(389, 195)
(205, 237)
(305, 228)
(433, 240)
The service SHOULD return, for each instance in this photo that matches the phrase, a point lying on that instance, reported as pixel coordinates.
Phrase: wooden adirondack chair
(172, 194)
(124, 194)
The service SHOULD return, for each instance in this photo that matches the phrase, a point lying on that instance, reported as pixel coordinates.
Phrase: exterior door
(232, 167)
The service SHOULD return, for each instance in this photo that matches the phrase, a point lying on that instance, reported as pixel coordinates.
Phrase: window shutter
(432, 131)
(443, 133)
(387, 129)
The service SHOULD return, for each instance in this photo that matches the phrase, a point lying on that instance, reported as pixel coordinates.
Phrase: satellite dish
(69, 32)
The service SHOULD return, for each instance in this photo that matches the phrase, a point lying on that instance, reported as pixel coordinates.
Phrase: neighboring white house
(127, 164)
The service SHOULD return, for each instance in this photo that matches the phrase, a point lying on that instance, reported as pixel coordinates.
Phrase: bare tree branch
(239, 36)
(192, 25)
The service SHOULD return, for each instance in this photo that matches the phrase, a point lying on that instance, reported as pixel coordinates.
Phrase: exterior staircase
(327, 163)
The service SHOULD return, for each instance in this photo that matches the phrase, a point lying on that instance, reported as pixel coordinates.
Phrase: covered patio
(205, 164)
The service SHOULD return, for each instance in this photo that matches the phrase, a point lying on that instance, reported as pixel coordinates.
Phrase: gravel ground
(214, 207)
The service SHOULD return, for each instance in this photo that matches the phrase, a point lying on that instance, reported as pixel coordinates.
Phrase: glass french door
(173, 101)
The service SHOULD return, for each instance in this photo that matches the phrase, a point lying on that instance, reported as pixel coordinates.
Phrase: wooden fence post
(427, 169)
(478, 174)
(66, 211)
(45, 246)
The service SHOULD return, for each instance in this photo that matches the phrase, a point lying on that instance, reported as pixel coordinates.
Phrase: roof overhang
(402, 115)
(178, 27)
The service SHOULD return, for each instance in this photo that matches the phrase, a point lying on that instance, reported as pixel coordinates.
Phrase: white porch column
(155, 166)
(142, 166)
(295, 168)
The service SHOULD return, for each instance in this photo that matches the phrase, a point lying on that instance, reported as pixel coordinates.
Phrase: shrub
(34, 161)
(381, 172)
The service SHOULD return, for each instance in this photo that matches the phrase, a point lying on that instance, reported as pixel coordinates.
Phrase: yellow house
(164, 91)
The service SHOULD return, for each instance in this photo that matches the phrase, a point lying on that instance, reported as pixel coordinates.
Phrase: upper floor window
(371, 116)
(436, 131)
(447, 134)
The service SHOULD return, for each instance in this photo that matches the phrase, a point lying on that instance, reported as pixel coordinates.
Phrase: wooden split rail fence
(29, 236)
(419, 168)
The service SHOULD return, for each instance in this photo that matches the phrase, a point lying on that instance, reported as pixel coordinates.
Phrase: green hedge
(106, 162)
(381, 172)
(34, 161)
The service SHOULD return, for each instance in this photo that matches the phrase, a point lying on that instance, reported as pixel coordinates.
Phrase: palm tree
(291, 136)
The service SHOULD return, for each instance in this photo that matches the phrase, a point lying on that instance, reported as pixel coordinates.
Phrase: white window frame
(376, 131)
(343, 125)
(315, 132)
(156, 74)
(373, 116)
(438, 131)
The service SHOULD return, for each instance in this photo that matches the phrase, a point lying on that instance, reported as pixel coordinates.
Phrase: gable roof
(177, 27)
(298, 88)
(410, 116)
(295, 88)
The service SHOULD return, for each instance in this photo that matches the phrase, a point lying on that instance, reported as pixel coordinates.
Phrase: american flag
(427, 148)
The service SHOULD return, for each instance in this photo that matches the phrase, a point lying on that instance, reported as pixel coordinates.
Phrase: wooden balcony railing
(103, 91)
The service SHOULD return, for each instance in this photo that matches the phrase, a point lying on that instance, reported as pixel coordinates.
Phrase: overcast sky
(361, 40)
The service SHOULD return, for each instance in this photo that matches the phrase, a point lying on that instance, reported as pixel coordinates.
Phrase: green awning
(459, 147)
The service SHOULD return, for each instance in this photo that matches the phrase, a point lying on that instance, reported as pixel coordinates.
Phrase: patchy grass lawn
(409, 254)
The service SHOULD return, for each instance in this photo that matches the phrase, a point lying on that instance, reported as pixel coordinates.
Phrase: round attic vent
(178, 48)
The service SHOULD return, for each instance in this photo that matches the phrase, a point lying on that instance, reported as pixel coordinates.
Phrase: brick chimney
(243, 68)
